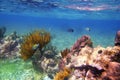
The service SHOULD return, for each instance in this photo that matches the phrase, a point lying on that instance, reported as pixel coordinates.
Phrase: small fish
(70, 30)
(35, 46)
(87, 29)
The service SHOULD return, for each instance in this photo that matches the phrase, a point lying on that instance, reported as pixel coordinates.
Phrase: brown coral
(62, 75)
(64, 53)
(36, 37)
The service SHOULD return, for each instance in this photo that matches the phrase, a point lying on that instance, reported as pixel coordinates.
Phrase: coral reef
(81, 62)
(89, 63)
(9, 46)
(48, 63)
(33, 41)
(45, 58)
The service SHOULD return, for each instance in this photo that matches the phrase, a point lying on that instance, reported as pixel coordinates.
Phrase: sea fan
(37, 37)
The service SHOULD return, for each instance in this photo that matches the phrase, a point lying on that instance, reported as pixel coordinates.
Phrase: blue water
(102, 17)
(102, 32)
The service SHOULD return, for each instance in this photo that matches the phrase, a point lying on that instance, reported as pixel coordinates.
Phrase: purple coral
(82, 42)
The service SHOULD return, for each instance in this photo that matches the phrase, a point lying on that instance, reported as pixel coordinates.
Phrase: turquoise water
(102, 17)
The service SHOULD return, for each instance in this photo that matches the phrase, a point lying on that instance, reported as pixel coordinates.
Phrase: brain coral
(39, 37)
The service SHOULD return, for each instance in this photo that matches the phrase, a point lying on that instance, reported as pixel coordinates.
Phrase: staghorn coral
(39, 37)
(63, 75)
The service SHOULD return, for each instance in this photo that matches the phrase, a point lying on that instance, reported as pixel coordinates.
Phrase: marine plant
(36, 39)
(65, 52)
(63, 74)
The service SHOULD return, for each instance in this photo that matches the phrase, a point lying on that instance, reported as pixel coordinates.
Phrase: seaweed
(63, 74)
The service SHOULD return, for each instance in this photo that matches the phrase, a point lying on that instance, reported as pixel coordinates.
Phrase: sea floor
(18, 70)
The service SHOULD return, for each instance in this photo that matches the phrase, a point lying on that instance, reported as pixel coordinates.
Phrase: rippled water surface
(95, 9)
